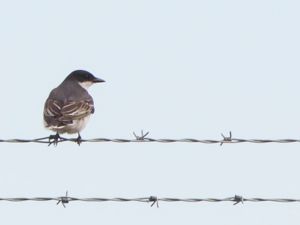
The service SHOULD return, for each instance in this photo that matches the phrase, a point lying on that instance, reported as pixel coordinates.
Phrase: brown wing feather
(57, 113)
(77, 110)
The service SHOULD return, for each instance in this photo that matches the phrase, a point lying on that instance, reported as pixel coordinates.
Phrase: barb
(226, 139)
(152, 199)
(142, 137)
(145, 139)
(63, 200)
(238, 199)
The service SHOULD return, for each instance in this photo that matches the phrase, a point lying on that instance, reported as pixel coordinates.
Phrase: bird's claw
(56, 138)
(79, 140)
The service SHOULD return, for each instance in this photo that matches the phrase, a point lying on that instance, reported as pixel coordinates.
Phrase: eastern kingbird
(69, 106)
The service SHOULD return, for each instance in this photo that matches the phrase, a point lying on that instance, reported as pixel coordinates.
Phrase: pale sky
(179, 69)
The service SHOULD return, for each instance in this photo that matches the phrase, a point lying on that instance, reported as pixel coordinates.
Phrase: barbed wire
(153, 200)
(144, 139)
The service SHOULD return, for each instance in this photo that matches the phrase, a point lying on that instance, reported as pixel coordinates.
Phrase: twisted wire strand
(152, 199)
(144, 139)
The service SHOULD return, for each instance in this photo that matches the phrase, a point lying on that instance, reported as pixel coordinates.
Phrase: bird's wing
(63, 113)
(77, 110)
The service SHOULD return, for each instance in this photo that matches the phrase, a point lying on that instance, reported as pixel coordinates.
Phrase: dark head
(84, 78)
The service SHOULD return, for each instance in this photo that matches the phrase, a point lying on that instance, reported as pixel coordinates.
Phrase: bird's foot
(79, 139)
(54, 139)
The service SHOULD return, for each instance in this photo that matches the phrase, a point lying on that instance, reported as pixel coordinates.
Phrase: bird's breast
(75, 127)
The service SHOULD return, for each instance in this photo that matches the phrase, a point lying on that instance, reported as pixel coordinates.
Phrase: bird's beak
(98, 80)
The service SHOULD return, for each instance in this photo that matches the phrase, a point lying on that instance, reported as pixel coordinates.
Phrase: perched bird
(69, 106)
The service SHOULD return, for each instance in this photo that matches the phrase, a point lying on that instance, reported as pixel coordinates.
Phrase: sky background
(179, 69)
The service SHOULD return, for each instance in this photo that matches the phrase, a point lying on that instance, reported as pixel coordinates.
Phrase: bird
(69, 105)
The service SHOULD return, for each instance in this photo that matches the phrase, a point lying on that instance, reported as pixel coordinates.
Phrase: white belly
(75, 127)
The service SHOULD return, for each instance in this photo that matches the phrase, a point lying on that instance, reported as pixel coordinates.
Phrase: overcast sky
(179, 69)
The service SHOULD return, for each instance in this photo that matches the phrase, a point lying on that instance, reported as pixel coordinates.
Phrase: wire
(55, 139)
(152, 199)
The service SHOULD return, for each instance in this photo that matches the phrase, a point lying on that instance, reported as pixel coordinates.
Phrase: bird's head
(84, 78)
